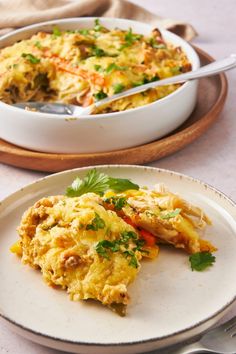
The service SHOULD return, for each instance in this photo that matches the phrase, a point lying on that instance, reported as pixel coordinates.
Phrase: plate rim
(136, 342)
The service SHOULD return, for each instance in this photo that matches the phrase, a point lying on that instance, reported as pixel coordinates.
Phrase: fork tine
(229, 324)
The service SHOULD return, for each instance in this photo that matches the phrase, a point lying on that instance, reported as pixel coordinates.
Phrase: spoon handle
(207, 70)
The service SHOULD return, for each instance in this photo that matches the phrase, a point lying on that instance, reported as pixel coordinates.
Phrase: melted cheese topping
(83, 66)
(168, 217)
(60, 236)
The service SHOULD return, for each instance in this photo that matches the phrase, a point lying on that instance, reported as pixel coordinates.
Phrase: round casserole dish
(101, 132)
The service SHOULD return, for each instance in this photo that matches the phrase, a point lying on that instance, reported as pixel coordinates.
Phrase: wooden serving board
(211, 98)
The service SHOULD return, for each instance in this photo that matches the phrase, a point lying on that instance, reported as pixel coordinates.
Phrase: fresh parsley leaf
(118, 202)
(99, 95)
(121, 184)
(139, 244)
(38, 44)
(85, 32)
(98, 183)
(130, 38)
(56, 32)
(117, 88)
(98, 52)
(127, 235)
(97, 223)
(31, 58)
(98, 67)
(146, 81)
(133, 260)
(97, 26)
(153, 79)
(176, 70)
(100, 248)
(113, 66)
(104, 247)
(201, 260)
(157, 45)
(171, 214)
(93, 182)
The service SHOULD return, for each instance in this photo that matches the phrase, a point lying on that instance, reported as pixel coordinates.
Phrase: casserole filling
(82, 66)
(90, 242)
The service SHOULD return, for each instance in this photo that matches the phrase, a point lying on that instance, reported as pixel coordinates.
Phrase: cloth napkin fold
(26, 12)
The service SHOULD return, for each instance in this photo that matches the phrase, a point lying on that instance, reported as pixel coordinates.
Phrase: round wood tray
(211, 98)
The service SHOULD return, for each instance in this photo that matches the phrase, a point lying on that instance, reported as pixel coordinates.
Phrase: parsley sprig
(201, 260)
(99, 183)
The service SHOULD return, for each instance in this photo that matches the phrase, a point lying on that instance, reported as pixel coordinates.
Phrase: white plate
(169, 301)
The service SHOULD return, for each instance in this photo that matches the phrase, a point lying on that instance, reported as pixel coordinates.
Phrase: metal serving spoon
(75, 111)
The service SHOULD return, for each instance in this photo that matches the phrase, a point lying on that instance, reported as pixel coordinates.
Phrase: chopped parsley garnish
(118, 202)
(38, 44)
(98, 52)
(98, 183)
(118, 88)
(99, 95)
(176, 70)
(130, 38)
(31, 58)
(105, 247)
(113, 66)
(56, 32)
(153, 79)
(127, 235)
(146, 80)
(98, 67)
(97, 26)
(133, 260)
(201, 260)
(157, 45)
(102, 248)
(85, 32)
(171, 214)
(97, 223)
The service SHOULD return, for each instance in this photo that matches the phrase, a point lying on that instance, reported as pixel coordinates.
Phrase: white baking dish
(102, 132)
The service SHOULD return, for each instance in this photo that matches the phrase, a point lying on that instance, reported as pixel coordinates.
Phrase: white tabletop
(212, 158)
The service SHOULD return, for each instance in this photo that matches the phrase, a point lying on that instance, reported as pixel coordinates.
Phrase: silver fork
(219, 340)
(76, 111)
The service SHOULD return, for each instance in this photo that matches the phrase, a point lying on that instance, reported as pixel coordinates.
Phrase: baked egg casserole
(90, 241)
(83, 66)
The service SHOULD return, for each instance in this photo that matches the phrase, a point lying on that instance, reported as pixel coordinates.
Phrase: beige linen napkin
(18, 13)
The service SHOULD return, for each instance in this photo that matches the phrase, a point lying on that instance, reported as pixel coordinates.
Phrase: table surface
(211, 158)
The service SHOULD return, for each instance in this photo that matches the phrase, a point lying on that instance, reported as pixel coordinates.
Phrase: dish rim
(150, 340)
(101, 116)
